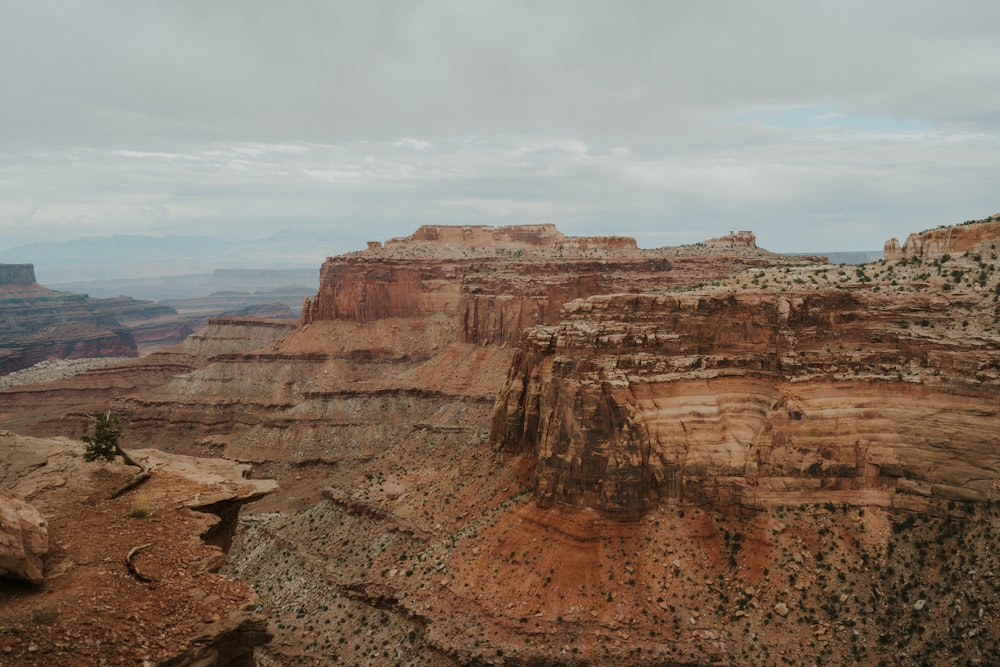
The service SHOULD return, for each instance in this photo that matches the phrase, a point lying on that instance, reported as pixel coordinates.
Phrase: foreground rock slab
(24, 539)
(131, 580)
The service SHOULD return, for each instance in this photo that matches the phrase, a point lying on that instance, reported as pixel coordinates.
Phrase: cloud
(414, 144)
(812, 117)
(815, 124)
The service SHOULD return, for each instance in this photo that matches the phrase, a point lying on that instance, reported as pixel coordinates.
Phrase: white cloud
(414, 144)
(799, 120)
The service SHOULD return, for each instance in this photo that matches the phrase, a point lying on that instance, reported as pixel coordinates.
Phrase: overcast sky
(818, 125)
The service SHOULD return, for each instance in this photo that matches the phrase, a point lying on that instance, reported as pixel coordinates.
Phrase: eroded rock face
(24, 539)
(514, 236)
(172, 607)
(499, 281)
(42, 325)
(742, 238)
(750, 399)
(973, 236)
(54, 407)
(17, 275)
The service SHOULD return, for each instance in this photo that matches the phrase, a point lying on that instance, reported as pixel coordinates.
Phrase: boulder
(24, 539)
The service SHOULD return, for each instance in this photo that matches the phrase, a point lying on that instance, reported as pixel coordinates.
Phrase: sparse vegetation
(103, 437)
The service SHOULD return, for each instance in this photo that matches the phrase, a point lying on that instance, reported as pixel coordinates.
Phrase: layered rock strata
(38, 324)
(752, 399)
(498, 281)
(972, 236)
(57, 407)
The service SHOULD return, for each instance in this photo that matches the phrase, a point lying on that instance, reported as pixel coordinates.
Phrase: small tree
(103, 437)
(104, 442)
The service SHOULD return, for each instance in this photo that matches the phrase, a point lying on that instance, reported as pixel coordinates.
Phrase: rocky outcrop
(513, 237)
(892, 251)
(131, 579)
(499, 281)
(743, 238)
(973, 236)
(14, 276)
(24, 539)
(750, 398)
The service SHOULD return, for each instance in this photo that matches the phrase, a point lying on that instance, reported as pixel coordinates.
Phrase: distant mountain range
(142, 257)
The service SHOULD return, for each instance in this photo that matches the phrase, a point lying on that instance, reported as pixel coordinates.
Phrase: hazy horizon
(116, 260)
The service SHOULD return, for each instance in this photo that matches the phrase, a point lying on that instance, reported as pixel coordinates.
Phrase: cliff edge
(972, 236)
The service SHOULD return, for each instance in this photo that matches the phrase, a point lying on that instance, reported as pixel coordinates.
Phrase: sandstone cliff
(972, 236)
(742, 238)
(17, 278)
(38, 324)
(751, 398)
(499, 281)
(524, 237)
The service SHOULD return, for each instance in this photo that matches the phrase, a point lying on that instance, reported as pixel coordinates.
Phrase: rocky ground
(90, 609)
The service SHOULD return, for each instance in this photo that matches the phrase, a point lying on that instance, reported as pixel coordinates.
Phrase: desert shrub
(103, 437)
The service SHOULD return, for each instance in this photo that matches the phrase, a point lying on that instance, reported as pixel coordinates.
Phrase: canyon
(509, 446)
(40, 324)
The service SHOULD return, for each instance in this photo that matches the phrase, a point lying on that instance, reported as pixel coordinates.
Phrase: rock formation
(744, 238)
(55, 408)
(24, 539)
(723, 398)
(17, 277)
(40, 324)
(499, 281)
(514, 237)
(130, 580)
(971, 236)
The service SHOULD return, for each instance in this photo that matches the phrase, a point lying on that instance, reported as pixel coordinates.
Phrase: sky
(820, 126)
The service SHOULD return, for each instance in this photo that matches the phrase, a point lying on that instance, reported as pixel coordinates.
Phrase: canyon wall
(973, 236)
(16, 275)
(751, 399)
(499, 281)
(39, 324)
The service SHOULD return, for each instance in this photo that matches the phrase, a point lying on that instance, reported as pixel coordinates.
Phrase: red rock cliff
(748, 399)
(954, 240)
(499, 280)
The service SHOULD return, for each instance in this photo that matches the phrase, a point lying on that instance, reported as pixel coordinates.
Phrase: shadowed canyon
(507, 446)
